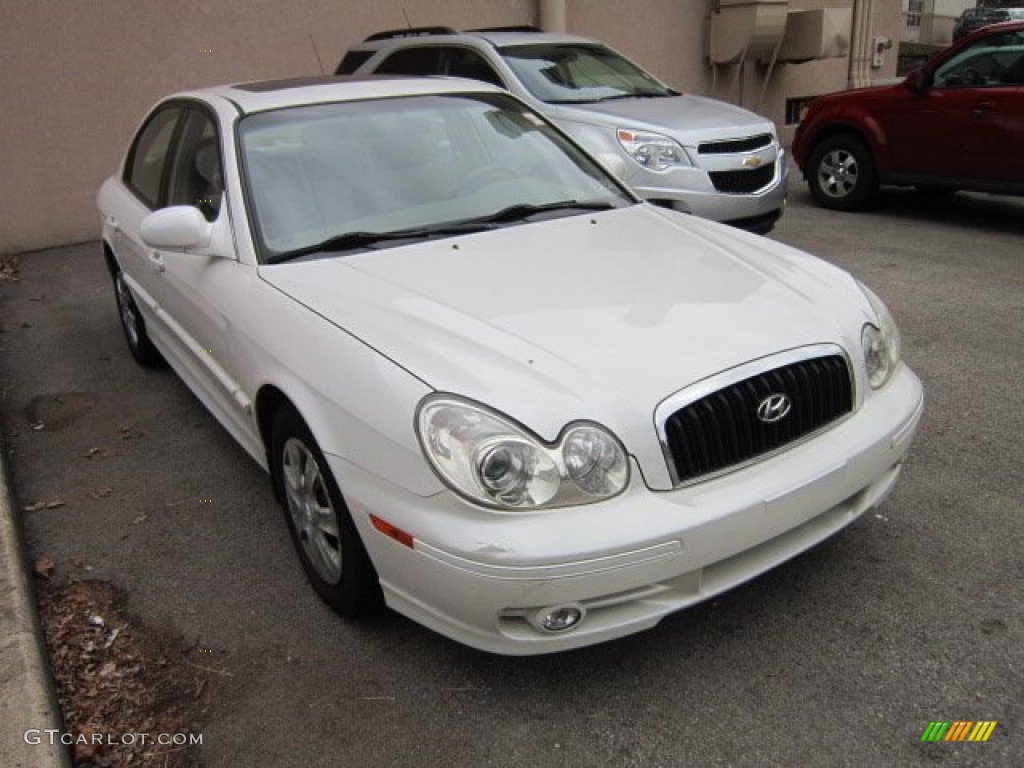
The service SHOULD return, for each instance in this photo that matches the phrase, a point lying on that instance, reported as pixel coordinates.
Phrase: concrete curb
(28, 701)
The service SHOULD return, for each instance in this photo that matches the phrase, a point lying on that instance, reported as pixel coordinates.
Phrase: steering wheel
(971, 76)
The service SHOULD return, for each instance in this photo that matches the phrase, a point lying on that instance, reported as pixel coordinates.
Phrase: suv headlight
(652, 150)
(490, 460)
(880, 342)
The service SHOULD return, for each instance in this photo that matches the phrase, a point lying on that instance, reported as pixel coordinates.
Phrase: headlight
(652, 150)
(880, 342)
(489, 459)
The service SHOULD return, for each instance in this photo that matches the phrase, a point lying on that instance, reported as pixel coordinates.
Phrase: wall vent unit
(818, 34)
(746, 29)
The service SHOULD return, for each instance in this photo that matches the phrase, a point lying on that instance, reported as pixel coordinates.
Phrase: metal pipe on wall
(860, 44)
(552, 15)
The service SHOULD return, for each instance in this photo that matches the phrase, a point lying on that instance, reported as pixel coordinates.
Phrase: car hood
(690, 119)
(588, 317)
(859, 96)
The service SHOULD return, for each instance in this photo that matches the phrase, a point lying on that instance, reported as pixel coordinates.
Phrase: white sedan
(493, 390)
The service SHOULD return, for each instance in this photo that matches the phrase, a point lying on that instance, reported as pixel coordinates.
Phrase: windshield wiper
(350, 241)
(635, 95)
(522, 211)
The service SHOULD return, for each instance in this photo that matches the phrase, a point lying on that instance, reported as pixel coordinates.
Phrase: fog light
(559, 618)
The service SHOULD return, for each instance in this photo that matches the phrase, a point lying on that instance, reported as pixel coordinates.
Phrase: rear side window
(422, 60)
(149, 155)
(352, 61)
(465, 62)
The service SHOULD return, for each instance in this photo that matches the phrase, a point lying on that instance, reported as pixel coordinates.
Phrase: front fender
(358, 404)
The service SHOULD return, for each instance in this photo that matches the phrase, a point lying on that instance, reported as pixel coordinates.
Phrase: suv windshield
(579, 74)
(353, 175)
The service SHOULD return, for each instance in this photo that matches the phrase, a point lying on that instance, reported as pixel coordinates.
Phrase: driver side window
(196, 176)
(996, 60)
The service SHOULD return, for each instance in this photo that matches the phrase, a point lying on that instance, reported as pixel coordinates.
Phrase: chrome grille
(722, 429)
(735, 145)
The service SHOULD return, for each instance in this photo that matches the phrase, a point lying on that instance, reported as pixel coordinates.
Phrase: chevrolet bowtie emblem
(752, 162)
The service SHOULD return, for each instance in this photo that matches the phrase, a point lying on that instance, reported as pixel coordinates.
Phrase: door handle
(982, 108)
(157, 261)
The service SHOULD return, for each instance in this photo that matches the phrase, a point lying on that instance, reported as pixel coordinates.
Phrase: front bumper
(690, 190)
(478, 577)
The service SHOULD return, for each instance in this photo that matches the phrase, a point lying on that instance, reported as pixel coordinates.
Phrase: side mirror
(177, 228)
(917, 81)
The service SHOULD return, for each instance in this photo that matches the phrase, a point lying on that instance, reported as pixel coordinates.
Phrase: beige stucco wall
(77, 76)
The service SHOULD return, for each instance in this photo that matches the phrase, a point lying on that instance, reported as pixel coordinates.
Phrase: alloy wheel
(838, 173)
(311, 510)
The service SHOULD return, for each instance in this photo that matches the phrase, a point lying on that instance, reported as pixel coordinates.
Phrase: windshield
(358, 174)
(579, 74)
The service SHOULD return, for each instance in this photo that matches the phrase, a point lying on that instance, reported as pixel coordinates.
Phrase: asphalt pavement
(841, 657)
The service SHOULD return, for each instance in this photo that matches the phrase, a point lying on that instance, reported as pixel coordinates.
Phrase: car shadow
(965, 209)
(992, 213)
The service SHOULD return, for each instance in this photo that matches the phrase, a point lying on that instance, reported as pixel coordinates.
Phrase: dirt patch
(116, 677)
(8, 268)
(53, 412)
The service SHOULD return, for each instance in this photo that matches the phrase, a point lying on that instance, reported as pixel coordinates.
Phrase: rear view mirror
(176, 228)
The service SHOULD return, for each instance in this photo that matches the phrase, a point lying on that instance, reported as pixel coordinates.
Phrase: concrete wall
(77, 76)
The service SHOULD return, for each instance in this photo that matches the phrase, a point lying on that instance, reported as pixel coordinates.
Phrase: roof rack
(410, 32)
(513, 28)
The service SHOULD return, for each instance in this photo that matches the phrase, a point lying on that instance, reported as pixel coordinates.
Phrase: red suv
(956, 123)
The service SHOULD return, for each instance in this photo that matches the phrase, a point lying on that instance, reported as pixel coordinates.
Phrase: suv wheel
(841, 173)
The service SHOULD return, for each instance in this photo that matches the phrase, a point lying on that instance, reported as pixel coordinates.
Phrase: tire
(133, 325)
(325, 538)
(841, 173)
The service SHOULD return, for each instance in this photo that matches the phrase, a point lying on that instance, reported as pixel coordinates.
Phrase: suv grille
(743, 182)
(723, 429)
(735, 145)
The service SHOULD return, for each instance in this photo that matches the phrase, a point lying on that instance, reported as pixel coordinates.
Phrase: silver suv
(690, 153)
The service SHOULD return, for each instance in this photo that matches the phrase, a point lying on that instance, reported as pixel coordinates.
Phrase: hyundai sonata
(494, 391)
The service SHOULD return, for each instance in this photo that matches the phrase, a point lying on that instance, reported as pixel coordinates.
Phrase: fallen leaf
(37, 426)
(44, 567)
(103, 492)
(113, 636)
(140, 518)
(55, 503)
(84, 752)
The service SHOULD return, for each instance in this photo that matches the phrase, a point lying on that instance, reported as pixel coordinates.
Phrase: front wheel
(328, 545)
(133, 325)
(841, 173)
